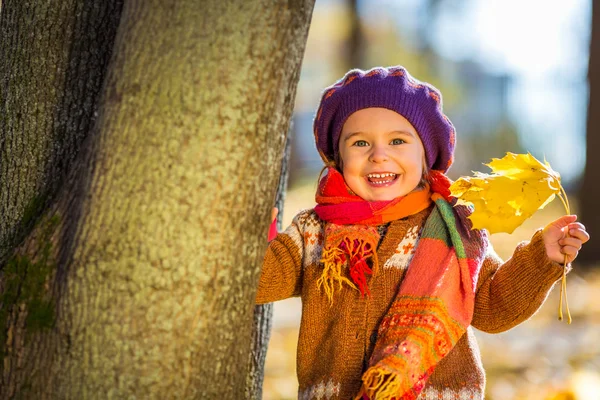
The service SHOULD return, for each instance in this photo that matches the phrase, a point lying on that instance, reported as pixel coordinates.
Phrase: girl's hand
(273, 228)
(558, 243)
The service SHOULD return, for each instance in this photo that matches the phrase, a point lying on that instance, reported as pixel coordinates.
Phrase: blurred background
(513, 74)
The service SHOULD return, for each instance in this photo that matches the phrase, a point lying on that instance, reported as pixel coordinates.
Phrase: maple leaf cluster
(518, 186)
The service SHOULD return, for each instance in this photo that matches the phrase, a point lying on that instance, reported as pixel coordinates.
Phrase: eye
(397, 142)
(360, 143)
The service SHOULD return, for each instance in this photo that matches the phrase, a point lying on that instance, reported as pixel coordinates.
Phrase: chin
(388, 194)
(383, 197)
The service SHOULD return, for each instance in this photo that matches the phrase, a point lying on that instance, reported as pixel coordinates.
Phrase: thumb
(563, 221)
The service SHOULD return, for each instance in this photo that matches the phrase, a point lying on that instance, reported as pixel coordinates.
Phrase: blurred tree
(425, 29)
(136, 194)
(356, 40)
(589, 195)
(484, 147)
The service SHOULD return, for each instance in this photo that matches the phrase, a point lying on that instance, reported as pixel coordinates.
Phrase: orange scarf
(351, 236)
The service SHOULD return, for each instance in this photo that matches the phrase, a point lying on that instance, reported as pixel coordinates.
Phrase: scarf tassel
(379, 383)
(359, 251)
(334, 260)
(358, 272)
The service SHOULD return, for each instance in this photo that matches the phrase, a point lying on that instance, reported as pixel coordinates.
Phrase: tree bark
(263, 313)
(139, 280)
(53, 59)
(589, 195)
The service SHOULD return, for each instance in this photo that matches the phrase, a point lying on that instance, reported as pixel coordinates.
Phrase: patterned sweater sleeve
(511, 292)
(281, 275)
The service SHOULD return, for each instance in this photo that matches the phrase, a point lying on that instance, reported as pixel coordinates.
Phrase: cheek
(349, 170)
(352, 173)
(410, 158)
(417, 159)
(348, 162)
(419, 164)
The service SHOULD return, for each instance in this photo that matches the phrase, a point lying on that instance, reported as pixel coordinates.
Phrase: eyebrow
(389, 133)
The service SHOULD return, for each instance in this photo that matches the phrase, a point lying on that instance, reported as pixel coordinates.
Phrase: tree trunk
(140, 279)
(356, 40)
(263, 313)
(53, 59)
(589, 195)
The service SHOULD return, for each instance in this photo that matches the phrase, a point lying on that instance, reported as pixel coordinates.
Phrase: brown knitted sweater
(336, 341)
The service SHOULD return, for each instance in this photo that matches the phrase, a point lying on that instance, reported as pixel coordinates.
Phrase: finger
(569, 260)
(564, 221)
(572, 242)
(580, 234)
(274, 213)
(577, 225)
(569, 251)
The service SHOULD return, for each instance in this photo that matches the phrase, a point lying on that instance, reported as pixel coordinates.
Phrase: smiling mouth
(382, 179)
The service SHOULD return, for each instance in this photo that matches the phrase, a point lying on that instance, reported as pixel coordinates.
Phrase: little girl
(392, 278)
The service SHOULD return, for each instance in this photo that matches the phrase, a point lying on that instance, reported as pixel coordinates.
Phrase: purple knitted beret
(392, 88)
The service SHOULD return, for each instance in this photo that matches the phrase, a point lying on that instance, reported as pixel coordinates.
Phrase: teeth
(381, 175)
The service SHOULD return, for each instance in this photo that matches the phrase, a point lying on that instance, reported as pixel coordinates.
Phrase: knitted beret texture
(392, 88)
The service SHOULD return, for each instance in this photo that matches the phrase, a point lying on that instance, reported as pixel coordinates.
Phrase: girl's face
(382, 156)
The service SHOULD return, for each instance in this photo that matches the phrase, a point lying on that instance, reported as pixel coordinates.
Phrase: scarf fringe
(336, 257)
(380, 385)
(334, 261)
(359, 251)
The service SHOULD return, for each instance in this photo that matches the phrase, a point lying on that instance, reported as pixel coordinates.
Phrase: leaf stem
(563, 284)
(565, 203)
(568, 207)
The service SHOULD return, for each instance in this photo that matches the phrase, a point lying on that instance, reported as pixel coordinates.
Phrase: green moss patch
(24, 281)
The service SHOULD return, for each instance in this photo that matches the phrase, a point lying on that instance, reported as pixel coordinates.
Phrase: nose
(378, 154)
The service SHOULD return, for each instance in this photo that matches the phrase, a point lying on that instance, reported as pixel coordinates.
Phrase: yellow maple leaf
(518, 186)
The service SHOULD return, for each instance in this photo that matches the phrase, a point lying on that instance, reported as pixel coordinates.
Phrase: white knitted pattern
(430, 393)
(320, 391)
(405, 250)
(294, 232)
(311, 228)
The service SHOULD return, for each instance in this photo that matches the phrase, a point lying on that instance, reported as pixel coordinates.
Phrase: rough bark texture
(131, 274)
(589, 196)
(263, 322)
(53, 58)
(263, 313)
